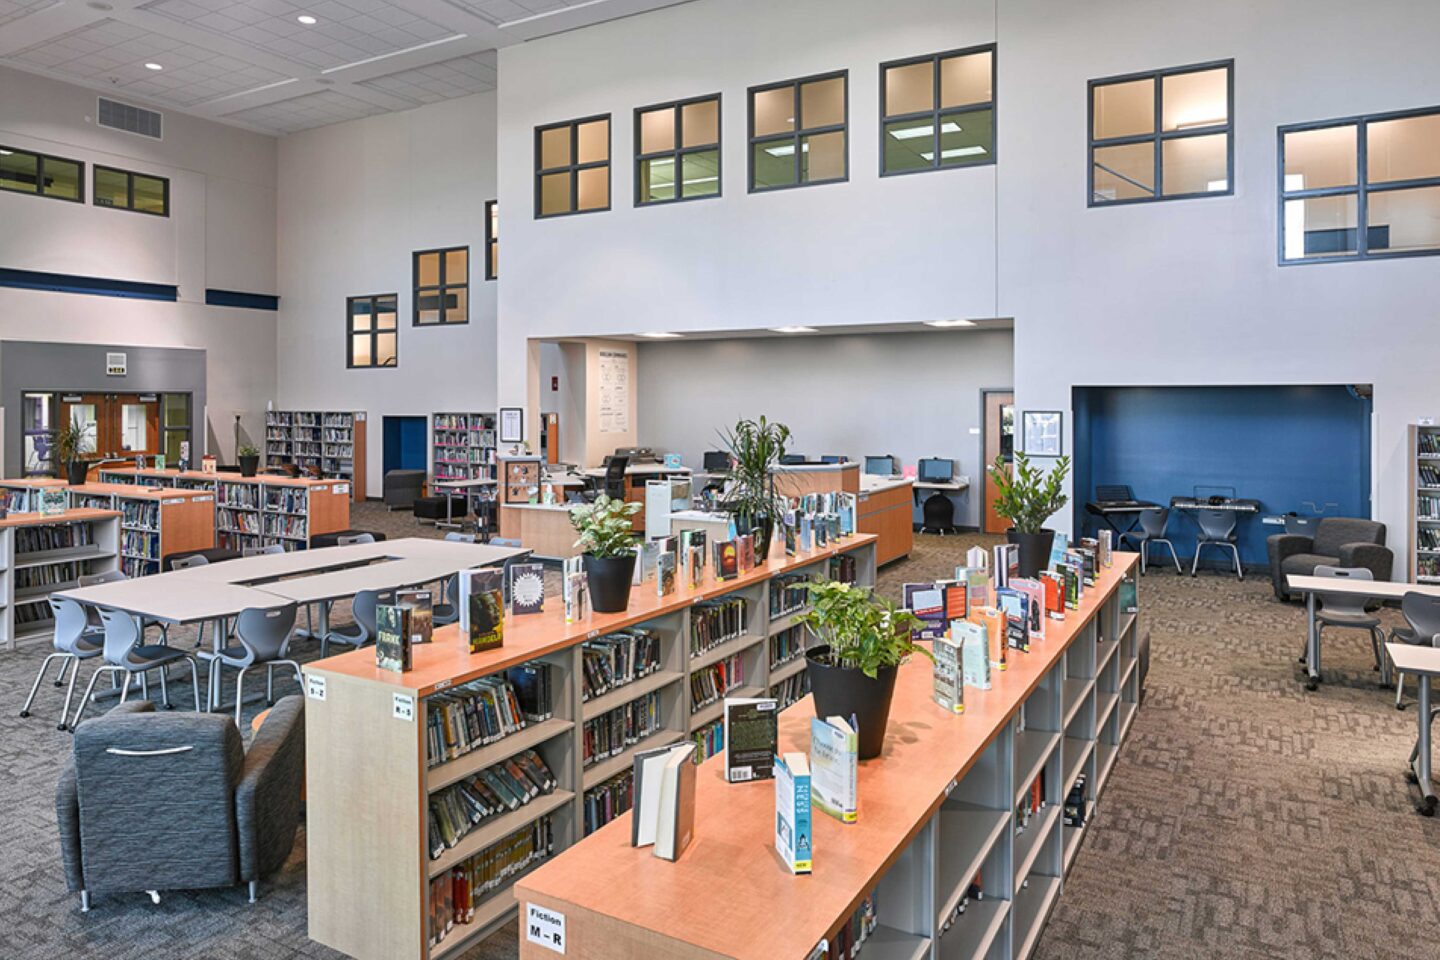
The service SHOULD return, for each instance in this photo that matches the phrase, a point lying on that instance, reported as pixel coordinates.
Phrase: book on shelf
(949, 682)
(482, 609)
(927, 602)
(392, 637)
(649, 770)
(1054, 583)
(751, 737)
(792, 812)
(608, 800)
(481, 712)
(53, 502)
(727, 560)
(499, 788)
(614, 731)
(530, 687)
(834, 767)
(420, 605)
(527, 588)
(790, 534)
(1058, 547)
(973, 641)
(1016, 607)
(620, 658)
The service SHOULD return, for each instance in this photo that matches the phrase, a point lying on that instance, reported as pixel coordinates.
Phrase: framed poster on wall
(1042, 433)
(512, 425)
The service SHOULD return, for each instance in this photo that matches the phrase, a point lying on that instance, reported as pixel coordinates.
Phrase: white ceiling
(251, 63)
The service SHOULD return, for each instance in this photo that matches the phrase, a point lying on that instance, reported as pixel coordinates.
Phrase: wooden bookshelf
(367, 778)
(87, 542)
(319, 443)
(938, 805)
(23, 496)
(462, 446)
(154, 522)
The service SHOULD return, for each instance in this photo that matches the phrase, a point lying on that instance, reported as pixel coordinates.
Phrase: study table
(1312, 587)
(465, 487)
(1422, 663)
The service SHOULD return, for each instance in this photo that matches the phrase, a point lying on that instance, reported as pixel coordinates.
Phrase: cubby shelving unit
(23, 496)
(41, 554)
(328, 443)
(1425, 503)
(462, 446)
(154, 523)
(367, 897)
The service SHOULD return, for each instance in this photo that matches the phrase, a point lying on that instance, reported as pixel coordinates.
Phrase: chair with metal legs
(126, 654)
(187, 563)
(1422, 625)
(445, 611)
(264, 551)
(1217, 529)
(92, 614)
(354, 538)
(262, 636)
(75, 640)
(1348, 610)
(362, 631)
(1154, 528)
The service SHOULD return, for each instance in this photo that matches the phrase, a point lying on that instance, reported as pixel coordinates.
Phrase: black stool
(939, 514)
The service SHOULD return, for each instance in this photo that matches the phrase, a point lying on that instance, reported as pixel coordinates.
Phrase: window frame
(934, 114)
(574, 167)
(39, 190)
(130, 176)
(796, 134)
(1361, 189)
(440, 288)
(1158, 136)
(374, 332)
(492, 241)
(679, 151)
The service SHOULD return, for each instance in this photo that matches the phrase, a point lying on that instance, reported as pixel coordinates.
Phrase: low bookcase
(41, 554)
(953, 801)
(369, 781)
(154, 523)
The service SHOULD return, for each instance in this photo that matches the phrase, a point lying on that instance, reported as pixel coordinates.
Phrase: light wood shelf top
(69, 516)
(131, 491)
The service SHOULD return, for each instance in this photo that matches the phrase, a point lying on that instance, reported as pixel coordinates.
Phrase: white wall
(913, 395)
(356, 201)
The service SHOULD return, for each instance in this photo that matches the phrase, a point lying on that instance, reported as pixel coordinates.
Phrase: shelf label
(545, 927)
(1425, 422)
(950, 787)
(172, 502)
(442, 684)
(342, 488)
(404, 708)
(315, 687)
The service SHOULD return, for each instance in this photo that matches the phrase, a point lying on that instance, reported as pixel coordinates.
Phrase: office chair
(362, 631)
(1154, 526)
(1348, 610)
(1422, 624)
(1217, 529)
(263, 637)
(615, 477)
(125, 654)
(75, 640)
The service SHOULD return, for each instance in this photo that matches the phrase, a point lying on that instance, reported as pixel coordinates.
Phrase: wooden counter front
(800, 479)
(889, 514)
(729, 896)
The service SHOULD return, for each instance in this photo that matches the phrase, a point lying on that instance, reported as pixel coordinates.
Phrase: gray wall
(911, 394)
(27, 367)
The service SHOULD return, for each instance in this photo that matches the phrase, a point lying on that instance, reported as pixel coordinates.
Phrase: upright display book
(791, 535)
(1006, 563)
(527, 588)
(974, 643)
(751, 736)
(977, 557)
(807, 532)
(927, 603)
(835, 768)
(649, 553)
(1016, 607)
(664, 811)
(792, 811)
(1106, 547)
(421, 606)
(665, 574)
(949, 687)
(745, 552)
(992, 619)
(727, 560)
(1054, 583)
(977, 584)
(1034, 592)
(52, 502)
(1129, 601)
(574, 587)
(695, 565)
(392, 637)
(956, 598)
(482, 609)
(1058, 546)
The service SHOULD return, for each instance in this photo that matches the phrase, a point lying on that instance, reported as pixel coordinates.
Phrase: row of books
(709, 684)
(1427, 538)
(788, 594)
(48, 575)
(1074, 811)
(615, 730)
(608, 800)
(791, 690)
(285, 525)
(140, 513)
(237, 521)
(343, 420)
(709, 740)
(713, 622)
(306, 433)
(287, 499)
(618, 659)
(60, 536)
(787, 645)
(843, 568)
(975, 891)
(1427, 507)
(33, 611)
(1427, 443)
(138, 543)
(89, 501)
(499, 788)
(134, 567)
(483, 711)
(1428, 567)
(1429, 476)
(229, 493)
(455, 895)
(1030, 805)
(850, 940)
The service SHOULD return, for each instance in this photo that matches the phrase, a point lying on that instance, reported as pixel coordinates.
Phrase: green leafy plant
(864, 632)
(69, 442)
(246, 450)
(755, 447)
(605, 527)
(1029, 496)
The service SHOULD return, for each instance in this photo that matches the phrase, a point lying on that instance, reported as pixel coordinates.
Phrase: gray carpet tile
(1244, 819)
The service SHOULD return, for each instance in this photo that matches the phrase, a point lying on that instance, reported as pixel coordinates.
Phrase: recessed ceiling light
(153, 66)
(659, 335)
(949, 323)
(306, 19)
(794, 329)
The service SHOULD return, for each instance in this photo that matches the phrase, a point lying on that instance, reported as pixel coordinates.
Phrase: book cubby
(462, 446)
(154, 523)
(330, 442)
(41, 554)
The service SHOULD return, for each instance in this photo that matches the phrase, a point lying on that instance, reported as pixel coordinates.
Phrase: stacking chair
(1422, 625)
(75, 640)
(262, 636)
(362, 631)
(114, 576)
(1154, 528)
(125, 654)
(1348, 610)
(1217, 529)
(262, 551)
(185, 563)
(350, 541)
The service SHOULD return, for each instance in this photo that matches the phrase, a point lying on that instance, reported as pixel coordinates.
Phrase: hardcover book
(527, 588)
(482, 609)
(977, 584)
(52, 502)
(1016, 607)
(1054, 583)
(421, 607)
(1057, 550)
(575, 587)
(834, 768)
(791, 535)
(751, 735)
(1006, 563)
(949, 684)
(695, 564)
(927, 602)
(392, 637)
(974, 652)
(995, 625)
(745, 552)
(1034, 592)
(665, 574)
(792, 811)
(664, 811)
(807, 532)
(727, 560)
(1129, 601)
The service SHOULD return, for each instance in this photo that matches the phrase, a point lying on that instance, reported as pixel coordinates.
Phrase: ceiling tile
(302, 113)
(457, 77)
(15, 9)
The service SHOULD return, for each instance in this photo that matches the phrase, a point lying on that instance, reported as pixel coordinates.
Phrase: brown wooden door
(999, 441)
(117, 424)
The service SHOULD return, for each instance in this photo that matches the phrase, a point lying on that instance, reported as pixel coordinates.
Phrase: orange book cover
(993, 620)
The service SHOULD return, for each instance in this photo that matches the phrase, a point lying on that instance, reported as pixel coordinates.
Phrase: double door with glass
(115, 425)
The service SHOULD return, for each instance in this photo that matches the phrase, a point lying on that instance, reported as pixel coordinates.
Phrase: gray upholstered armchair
(226, 814)
(1338, 542)
(403, 488)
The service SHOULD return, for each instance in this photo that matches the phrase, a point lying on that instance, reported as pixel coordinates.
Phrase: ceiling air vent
(123, 116)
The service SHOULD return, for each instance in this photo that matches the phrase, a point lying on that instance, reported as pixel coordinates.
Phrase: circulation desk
(937, 805)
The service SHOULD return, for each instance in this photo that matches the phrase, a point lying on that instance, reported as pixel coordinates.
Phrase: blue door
(405, 444)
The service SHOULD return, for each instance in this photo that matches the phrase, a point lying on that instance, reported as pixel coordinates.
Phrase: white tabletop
(465, 484)
(1379, 589)
(374, 576)
(639, 468)
(169, 598)
(564, 480)
(869, 483)
(269, 566)
(459, 552)
(953, 486)
(1414, 658)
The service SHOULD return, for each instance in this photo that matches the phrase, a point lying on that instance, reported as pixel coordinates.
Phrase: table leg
(1422, 747)
(1312, 644)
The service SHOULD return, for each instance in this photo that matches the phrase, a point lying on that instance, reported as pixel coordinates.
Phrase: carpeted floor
(1245, 818)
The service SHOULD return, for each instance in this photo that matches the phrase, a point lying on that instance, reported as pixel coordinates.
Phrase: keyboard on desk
(1236, 505)
(1119, 506)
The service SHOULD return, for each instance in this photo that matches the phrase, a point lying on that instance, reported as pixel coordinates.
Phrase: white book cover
(834, 768)
(792, 811)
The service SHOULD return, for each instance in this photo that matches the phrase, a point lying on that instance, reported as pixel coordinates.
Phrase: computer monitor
(880, 466)
(832, 458)
(936, 470)
(793, 459)
(717, 461)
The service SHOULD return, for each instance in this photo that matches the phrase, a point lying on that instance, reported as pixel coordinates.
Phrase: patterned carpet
(1245, 818)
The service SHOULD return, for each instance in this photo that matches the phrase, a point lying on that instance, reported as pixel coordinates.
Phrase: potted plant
(249, 458)
(863, 640)
(607, 535)
(1027, 497)
(69, 443)
(755, 448)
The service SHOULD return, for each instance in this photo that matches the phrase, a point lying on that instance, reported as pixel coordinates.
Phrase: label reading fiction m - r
(545, 927)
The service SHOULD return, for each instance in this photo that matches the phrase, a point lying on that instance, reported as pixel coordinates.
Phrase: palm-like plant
(69, 442)
(864, 632)
(755, 447)
(1029, 496)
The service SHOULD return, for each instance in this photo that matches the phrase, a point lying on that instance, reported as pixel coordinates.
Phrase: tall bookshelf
(265, 511)
(370, 899)
(154, 523)
(462, 446)
(327, 443)
(1425, 503)
(41, 554)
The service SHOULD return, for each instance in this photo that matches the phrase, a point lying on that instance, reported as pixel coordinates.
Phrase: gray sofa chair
(402, 487)
(1338, 542)
(229, 815)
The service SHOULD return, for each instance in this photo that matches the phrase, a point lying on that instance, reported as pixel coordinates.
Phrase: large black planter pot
(843, 692)
(75, 472)
(1034, 550)
(249, 465)
(609, 579)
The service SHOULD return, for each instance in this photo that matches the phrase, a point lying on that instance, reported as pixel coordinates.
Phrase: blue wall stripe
(235, 298)
(99, 286)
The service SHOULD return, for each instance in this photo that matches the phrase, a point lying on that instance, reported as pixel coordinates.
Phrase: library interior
(886, 502)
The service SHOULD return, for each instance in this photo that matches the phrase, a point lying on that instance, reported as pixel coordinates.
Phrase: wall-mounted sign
(512, 425)
(114, 364)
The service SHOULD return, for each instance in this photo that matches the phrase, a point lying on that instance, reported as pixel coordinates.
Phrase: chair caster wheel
(1426, 807)
(58, 683)
(1312, 685)
(61, 727)
(24, 714)
(1410, 777)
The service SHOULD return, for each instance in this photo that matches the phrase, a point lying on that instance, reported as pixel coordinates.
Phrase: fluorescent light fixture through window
(306, 19)
(153, 66)
(659, 335)
(794, 329)
(954, 152)
(1214, 185)
(950, 323)
(914, 133)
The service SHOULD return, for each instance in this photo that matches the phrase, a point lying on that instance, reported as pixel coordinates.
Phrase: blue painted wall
(1283, 446)
(405, 444)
